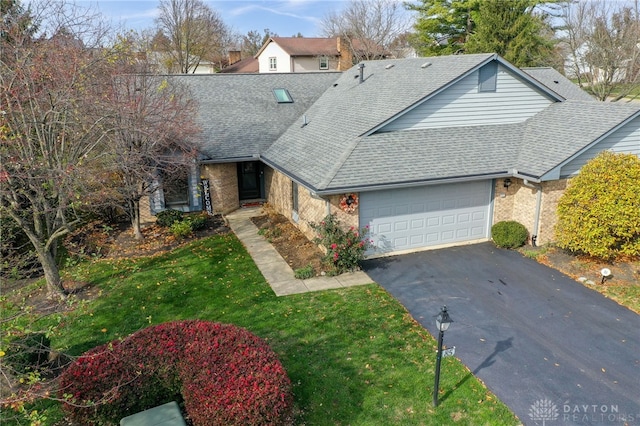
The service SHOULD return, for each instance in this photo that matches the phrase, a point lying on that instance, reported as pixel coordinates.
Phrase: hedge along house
(427, 152)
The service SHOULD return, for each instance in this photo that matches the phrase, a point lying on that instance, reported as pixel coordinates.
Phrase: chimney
(234, 56)
(345, 57)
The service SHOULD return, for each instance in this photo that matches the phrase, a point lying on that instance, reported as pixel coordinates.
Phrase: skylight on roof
(282, 96)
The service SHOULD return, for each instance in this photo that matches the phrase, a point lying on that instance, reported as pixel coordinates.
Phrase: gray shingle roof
(558, 83)
(338, 151)
(239, 114)
(429, 155)
(564, 128)
(316, 152)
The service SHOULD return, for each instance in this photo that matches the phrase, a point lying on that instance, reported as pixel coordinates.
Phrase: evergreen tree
(514, 30)
(16, 23)
(442, 26)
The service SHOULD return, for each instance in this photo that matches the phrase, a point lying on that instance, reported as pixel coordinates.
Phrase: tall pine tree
(442, 27)
(514, 30)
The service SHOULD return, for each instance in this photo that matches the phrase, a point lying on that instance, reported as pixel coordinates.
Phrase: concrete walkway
(276, 271)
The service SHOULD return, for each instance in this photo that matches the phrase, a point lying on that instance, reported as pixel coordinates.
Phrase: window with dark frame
(488, 77)
(324, 62)
(294, 197)
(176, 188)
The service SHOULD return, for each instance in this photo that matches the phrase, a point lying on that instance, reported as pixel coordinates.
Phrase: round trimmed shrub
(598, 214)
(198, 222)
(222, 375)
(509, 234)
(168, 217)
(181, 229)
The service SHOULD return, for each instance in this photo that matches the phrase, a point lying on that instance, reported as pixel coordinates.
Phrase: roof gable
(510, 99)
(352, 109)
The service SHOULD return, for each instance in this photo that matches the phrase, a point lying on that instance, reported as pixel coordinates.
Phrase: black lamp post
(443, 321)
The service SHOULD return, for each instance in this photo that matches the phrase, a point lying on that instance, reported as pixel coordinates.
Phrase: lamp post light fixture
(606, 273)
(443, 321)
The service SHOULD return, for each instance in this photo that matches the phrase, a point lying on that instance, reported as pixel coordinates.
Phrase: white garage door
(413, 218)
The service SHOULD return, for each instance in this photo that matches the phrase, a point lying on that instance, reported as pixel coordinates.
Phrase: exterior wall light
(506, 183)
(443, 321)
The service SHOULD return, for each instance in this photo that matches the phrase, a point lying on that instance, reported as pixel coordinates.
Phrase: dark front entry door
(250, 180)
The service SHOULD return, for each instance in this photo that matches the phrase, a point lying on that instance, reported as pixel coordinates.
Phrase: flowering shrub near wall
(223, 374)
(345, 248)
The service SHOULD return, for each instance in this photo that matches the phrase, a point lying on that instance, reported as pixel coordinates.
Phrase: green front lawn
(354, 356)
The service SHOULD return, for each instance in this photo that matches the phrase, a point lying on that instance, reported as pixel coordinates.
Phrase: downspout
(536, 221)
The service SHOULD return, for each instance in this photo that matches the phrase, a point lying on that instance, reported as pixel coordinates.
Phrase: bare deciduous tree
(80, 129)
(194, 31)
(602, 41)
(151, 132)
(50, 127)
(370, 26)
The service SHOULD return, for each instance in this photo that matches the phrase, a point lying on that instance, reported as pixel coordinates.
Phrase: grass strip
(355, 356)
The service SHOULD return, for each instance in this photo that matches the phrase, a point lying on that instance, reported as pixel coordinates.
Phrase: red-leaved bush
(222, 373)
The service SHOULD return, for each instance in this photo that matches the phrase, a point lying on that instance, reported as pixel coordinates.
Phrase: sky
(285, 18)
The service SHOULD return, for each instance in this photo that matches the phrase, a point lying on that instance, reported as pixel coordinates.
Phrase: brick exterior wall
(223, 181)
(503, 200)
(145, 211)
(310, 209)
(278, 191)
(518, 202)
(552, 191)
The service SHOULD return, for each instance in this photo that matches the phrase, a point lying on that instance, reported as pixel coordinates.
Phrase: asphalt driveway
(534, 336)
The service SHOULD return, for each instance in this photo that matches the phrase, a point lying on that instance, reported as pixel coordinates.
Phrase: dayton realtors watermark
(547, 412)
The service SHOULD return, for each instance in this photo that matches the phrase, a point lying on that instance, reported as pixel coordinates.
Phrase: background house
(434, 150)
(302, 54)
